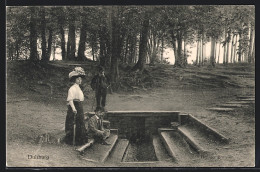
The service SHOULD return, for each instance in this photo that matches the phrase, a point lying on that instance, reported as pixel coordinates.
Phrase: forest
(132, 35)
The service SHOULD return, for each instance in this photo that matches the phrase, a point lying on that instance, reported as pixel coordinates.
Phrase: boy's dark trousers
(101, 97)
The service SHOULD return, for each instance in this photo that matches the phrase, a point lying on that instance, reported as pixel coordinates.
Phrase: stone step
(160, 151)
(118, 151)
(218, 109)
(98, 152)
(195, 138)
(196, 123)
(239, 102)
(247, 99)
(176, 147)
(232, 105)
(166, 129)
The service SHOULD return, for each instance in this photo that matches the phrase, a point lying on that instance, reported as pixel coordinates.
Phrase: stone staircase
(185, 139)
(241, 101)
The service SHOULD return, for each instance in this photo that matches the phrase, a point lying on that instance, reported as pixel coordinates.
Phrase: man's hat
(77, 72)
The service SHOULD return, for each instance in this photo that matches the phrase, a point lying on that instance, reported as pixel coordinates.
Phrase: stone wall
(133, 126)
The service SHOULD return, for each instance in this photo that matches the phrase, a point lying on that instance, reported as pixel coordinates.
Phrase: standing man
(100, 84)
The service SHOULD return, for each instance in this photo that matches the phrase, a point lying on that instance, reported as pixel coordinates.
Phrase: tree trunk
(82, 41)
(212, 52)
(239, 48)
(253, 52)
(227, 52)
(63, 50)
(115, 45)
(219, 46)
(126, 49)
(43, 35)
(232, 48)
(102, 46)
(179, 59)
(250, 45)
(33, 35)
(71, 45)
(202, 52)
(174, 45)
(143, 45)
(185, 54)
(197, 55)
(54, 52)
(132, 49)
(235, 51)
(16, 50)
(48, 54)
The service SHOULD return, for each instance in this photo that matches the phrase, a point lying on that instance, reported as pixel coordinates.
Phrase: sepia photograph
(130, 86)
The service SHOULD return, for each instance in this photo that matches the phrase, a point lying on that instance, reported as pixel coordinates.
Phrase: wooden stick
(82, 148)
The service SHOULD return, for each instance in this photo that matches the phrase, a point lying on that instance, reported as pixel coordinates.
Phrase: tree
(43, 33)
(83, 29)
(33, 35)
(71, 44)
(143, 44)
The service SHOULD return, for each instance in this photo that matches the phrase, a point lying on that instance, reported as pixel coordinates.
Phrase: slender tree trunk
(212, 53)
(43, 35)
(250, 45)
(224, 53)
(126, 50)
(179, 59)
(197, 55)
(49, 45)
(219, 46)
(202, 52)
(174, 45)
(162, 43)
(215, 52)
(82, 41)
(102, 58)
(54, 52)
(235, 50)
(115, 45)
(132, 49)
(71, 45)
(16, 50)
(33, 35)
(227, 52)
(239, 48)
(143, 45)
(63, 50)
(232, 47)
(253, 53)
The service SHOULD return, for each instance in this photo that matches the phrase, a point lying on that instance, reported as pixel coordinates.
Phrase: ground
(36, 104)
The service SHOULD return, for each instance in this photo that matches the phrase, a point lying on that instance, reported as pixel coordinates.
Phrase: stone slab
(160, 151)
(98, 152)
(166, 129)
(231, 105)
(118, 151)
(186, 133)
(219, 109)
(208, 129)
(239, 102)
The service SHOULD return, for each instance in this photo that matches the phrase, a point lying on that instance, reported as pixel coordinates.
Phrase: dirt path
(27, 119)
